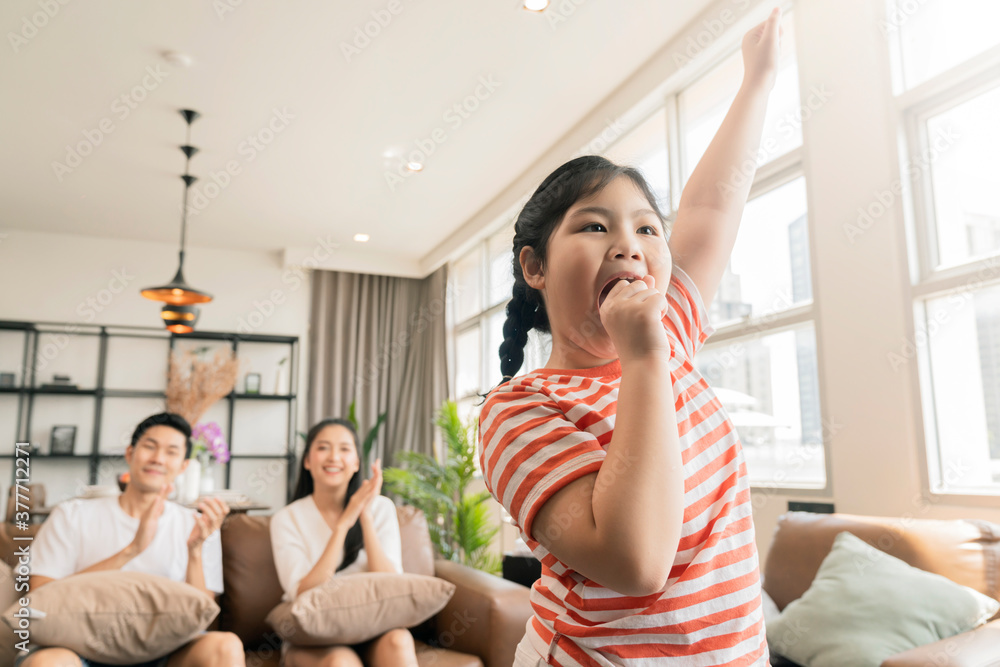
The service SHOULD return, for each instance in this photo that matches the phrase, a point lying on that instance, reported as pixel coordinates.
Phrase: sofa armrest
(486, 616)
(977, 648)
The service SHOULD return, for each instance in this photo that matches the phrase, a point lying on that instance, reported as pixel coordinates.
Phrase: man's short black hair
(170, 419)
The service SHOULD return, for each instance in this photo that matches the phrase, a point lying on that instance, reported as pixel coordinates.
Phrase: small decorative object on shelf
(60, 382)
(252, 383)
(123, 480)
(6, 379)
(62, 440)
(208, 444)
(281, 378)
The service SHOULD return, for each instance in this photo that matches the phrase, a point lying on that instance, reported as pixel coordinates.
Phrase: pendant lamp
(179, 314)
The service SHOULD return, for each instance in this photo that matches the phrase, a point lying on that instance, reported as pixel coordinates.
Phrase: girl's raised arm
(711, 206)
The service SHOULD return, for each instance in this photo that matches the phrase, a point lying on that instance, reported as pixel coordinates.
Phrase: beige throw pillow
(116, 617)
(354, 608)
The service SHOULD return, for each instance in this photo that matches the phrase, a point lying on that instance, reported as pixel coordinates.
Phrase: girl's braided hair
(577, 179)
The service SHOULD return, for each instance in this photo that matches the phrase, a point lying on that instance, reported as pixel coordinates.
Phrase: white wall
(90, 280)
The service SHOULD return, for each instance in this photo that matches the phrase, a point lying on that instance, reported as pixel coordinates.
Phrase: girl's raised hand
(633, 317)
(761, 48)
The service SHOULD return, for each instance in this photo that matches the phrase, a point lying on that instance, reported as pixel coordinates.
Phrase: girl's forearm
(327, 564)
(638, 497)
(377, 560)
(720, 180)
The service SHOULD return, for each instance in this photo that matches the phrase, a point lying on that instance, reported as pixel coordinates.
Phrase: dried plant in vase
(195, 383)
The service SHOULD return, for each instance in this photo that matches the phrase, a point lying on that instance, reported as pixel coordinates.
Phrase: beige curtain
(380, 341)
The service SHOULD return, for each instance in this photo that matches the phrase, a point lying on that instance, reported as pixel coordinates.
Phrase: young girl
(616, 460)
(338, 525)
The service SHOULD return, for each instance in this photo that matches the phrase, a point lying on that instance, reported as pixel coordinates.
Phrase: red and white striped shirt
(545, 429)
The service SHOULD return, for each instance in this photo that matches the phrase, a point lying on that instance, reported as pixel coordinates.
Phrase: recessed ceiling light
(414, 166)
(361, 238)
(178, 58)
(536, 5)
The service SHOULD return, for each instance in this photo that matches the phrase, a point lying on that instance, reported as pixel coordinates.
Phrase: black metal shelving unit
(28, 389)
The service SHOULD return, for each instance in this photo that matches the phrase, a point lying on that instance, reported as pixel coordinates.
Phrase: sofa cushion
(965, 551)
(418, 550)
(354, 608)
(116, 617)
(865, 605)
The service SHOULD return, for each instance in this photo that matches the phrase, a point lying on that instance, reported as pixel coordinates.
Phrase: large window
(762, 360)
(947, 64)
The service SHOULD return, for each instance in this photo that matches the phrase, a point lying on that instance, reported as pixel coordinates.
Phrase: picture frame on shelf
(62, 441)
(252, 383)
(7, 379)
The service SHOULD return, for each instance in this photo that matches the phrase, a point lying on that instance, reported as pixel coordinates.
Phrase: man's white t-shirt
(80, 533)
(299, 535)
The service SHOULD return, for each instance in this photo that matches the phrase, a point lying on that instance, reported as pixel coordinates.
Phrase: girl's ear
(532, 268)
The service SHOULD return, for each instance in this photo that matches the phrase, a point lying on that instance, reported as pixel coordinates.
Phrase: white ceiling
(323, 175)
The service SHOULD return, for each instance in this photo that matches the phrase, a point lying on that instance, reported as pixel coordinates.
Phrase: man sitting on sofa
(140, 531)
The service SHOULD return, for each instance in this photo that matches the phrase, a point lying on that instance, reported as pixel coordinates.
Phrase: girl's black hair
(304, 487)
(577, 179)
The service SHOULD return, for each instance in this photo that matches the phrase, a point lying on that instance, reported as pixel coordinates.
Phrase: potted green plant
(369, 441)
(459, 521)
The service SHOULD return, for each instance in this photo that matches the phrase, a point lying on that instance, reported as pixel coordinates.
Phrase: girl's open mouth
(611, 284)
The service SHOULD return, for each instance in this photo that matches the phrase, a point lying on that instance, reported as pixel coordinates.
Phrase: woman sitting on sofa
(335, 525)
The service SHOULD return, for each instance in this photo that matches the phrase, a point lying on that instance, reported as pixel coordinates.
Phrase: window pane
(494, 336)
(964, 143)
(501, 257)
(768, 270)
(962, 333)
(467, 363)
(935, 35)
(466, 285)
(704, 104)
(769, 387)
(645, 148)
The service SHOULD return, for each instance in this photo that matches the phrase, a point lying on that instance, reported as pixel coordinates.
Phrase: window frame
(914, 107)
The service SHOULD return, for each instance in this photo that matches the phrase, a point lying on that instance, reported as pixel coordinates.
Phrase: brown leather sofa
(479, 627)
(965, 551)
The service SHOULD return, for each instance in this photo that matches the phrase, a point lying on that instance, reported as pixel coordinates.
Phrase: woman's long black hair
(577, 179)
(304, 487)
